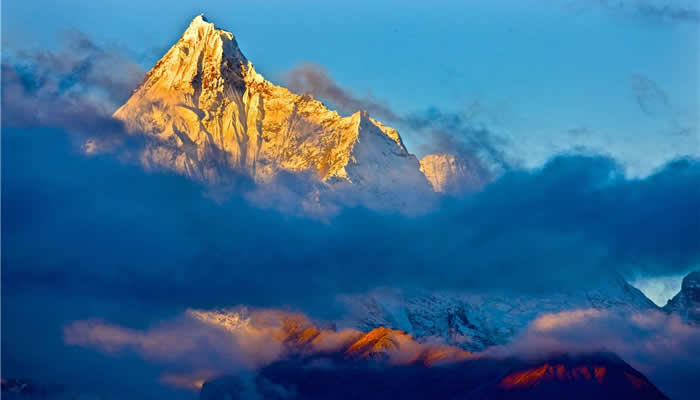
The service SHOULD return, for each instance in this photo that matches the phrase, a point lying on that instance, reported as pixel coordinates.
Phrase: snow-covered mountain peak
(199, 20)
(212, 112)
(200, 29)
(204, 59)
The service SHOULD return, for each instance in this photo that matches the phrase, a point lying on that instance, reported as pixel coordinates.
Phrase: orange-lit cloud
(548, 322)
(191, 381)
(218, 342)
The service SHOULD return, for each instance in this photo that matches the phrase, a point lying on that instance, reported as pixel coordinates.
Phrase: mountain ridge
(476, 321)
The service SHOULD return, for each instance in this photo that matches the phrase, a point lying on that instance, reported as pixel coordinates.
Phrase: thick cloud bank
(70, 220)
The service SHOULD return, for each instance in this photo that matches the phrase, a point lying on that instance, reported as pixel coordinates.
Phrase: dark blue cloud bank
(98, 224)
(98, 236)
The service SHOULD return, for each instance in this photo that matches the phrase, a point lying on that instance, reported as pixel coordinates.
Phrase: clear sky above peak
(613, 77)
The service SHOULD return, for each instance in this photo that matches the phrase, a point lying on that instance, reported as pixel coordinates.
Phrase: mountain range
(211, 114)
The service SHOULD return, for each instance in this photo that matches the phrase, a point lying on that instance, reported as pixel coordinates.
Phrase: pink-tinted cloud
(206, 344)
(661, 346)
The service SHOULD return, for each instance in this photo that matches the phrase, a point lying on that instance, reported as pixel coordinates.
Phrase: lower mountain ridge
(477, 321)
(598, 375)
(388, 363)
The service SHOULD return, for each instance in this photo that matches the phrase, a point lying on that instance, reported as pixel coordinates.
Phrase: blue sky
(549, 76)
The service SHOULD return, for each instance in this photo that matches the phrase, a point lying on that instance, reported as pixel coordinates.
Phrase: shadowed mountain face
(687, 302)
(600, 376)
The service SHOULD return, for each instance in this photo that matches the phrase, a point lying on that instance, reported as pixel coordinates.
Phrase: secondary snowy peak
(475, 321)
(212, 113)
(687, 302)
(449, 173)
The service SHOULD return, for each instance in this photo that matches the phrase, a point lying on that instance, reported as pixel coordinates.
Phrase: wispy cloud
(440, 131)
(654, 102)
(674, 10)
(313, 78)
(680, 11)
(80, 67)
(75, 89)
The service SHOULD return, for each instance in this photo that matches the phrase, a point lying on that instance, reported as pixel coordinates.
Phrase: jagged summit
(212, 113)
(203, 60)
(200, 19)
(201, 30)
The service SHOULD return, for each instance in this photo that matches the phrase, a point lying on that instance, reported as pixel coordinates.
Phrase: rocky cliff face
(686, 303)
(211, 113)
